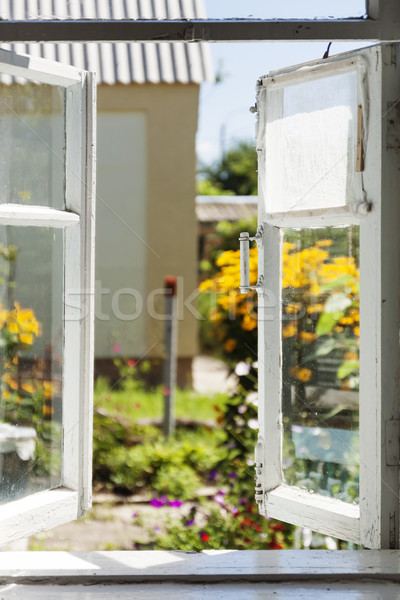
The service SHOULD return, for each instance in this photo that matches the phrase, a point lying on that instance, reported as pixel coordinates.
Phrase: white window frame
(373, 523)
(43, 510)
(381, 25)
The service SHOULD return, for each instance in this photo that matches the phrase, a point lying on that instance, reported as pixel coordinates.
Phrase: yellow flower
(300, 373)
(351, 356)
(12, 383)
(355, 314)
(47, 410)
(346, 321)
(314, 308)
(206, 285)
(215, 315)
(307, 336)
(6, 394)
(294, 307)
(26, 338)
(228, 301)
(249, 323)
(12, 327)
(324, 243)
(338, 329)
(289, 330)
(356, 330)
(230, 345)
(28, 387)
(48, 389)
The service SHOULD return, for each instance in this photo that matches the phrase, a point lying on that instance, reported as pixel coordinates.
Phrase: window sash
(375, 522)
(47, 509)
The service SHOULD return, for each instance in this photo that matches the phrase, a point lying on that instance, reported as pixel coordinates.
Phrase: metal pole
(170, 360)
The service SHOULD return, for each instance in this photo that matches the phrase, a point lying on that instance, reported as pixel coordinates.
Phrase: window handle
(245, 240)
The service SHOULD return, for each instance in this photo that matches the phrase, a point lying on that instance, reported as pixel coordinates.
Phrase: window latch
(245, 240)
(259, 476)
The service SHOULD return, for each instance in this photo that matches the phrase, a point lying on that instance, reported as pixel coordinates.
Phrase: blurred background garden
(194, 489)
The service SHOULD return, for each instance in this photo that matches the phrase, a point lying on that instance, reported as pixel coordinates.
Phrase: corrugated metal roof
(210, 209)
(118, 63)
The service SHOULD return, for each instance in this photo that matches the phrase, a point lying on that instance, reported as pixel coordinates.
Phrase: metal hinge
(259, 475)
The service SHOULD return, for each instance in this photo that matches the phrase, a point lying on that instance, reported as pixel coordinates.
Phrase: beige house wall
(171, 113)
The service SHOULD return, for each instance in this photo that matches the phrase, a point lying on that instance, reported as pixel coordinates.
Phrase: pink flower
(158, 502)
(175, 503)
(117, 348)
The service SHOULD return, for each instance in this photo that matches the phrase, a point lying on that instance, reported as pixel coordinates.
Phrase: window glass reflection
(320, 348)
(31, 342)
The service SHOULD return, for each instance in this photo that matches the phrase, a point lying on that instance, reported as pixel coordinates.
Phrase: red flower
(277, 527)
(204, 536)
(275, 546)
(131, 363)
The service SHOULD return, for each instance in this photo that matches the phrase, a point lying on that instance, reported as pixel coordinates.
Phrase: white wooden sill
(87, 568)
(217, 575)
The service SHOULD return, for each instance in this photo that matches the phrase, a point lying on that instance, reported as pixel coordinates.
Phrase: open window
(46, 297)
(328, 451)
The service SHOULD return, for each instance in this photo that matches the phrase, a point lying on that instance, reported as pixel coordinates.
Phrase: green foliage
(177, 481)
(230, 520)
(235, 172)
(127, 457)
(133, 401)
(221, 524)
(207, 188)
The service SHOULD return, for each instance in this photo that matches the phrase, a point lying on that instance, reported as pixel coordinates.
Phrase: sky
(224, 114)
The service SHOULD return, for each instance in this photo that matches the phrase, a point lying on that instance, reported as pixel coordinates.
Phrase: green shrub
(176, 481)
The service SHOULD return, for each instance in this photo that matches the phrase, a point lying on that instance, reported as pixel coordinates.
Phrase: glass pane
(320, 348)
(32, 150)
(287, 9)
(311, 144)
(31, 341)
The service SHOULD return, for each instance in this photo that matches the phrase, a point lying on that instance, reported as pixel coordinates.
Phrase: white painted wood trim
(335, 65)
(32, 514)
(36, 216)
(376, 523)
(75, 117)
(319, 513)
(43, 511)
(74, 315)
(88, 254)
(379, 310)
(88, 568)
(72, 358)
(38, 69)
(269, 359)
(79, 293)
(319, 218)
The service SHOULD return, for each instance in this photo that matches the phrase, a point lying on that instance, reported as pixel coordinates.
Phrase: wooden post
(170, 360)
